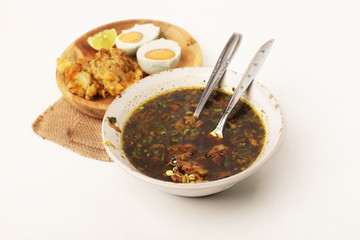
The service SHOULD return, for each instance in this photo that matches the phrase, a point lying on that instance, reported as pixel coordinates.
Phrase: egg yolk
(131, 37)
(160, 54)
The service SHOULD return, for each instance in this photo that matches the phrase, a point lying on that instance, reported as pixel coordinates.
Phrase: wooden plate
(190, 57)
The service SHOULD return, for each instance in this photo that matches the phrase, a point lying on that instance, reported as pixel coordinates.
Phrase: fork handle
(221, 65)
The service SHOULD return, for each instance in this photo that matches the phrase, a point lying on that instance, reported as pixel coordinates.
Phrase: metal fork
(246, 80)
(221, 65)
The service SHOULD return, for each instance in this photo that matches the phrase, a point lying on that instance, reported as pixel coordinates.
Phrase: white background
(309, 190)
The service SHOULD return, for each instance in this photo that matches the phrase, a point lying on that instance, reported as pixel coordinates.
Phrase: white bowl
(257, 95)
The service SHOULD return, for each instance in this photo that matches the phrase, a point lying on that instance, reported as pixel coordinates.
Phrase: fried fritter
(78, 80)
(115, 70)
(110, 71)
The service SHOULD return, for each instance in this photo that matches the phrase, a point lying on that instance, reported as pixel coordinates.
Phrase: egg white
(149, 32)
(151, 66)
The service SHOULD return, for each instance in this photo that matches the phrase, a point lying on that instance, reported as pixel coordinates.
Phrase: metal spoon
(246, 80)
(221, 65)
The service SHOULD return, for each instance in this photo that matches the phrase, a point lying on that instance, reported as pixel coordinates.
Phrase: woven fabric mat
(63, 124)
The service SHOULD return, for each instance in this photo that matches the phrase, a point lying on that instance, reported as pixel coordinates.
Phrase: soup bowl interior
(122, 107)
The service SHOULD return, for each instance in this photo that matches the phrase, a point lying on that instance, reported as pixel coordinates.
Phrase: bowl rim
(231, 180)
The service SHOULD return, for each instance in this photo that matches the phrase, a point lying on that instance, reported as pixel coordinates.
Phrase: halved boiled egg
(131, 39)
(158, 55)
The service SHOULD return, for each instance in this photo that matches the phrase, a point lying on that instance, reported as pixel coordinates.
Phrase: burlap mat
(63, 124)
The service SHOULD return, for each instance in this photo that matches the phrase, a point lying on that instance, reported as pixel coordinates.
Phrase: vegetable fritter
(110, 71)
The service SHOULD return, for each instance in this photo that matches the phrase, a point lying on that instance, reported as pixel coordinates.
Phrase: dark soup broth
(163, 140)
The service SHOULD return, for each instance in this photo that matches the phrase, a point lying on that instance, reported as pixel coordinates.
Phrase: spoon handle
(246, 80)
(221, 65)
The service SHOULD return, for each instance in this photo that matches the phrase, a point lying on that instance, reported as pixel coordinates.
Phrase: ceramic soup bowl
(122, 107)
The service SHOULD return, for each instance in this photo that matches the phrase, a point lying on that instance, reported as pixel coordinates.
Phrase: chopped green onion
(227, 162)
(112, 119)
(218, 110)
(135, 155)
(194, 132)
(162, 104)
(186, 131)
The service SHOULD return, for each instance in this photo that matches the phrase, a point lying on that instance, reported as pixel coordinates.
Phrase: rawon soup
(163, 140)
